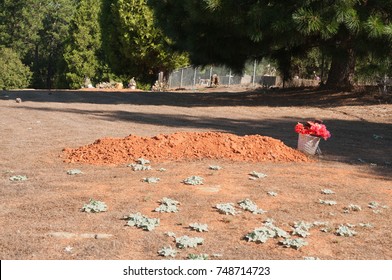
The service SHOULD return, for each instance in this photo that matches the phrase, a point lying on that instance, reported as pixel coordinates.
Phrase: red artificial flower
(315, 128)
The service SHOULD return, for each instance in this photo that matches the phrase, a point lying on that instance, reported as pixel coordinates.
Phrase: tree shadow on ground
(356, 142)
(260, 97)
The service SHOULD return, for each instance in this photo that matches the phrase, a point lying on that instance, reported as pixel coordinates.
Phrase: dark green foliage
(65, 41)
(83, 49)
(36, 31)
(49, 64)
(19, 29)
(13, 73)
(231, 32)
(133, 45)
(210, 33)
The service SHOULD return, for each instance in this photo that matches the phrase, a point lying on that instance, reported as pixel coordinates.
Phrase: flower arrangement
(314, 128)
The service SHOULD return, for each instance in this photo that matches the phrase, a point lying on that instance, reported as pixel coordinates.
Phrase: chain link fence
(384, 84)
(193, 77)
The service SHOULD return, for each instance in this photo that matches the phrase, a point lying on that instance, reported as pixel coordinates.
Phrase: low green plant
(139, 167)
(17, 178)
(353, 207)
(302, 229)
(170, 234)
(366, 225)
(226, 208)
(311, 258)
(296, 243)
(319, 223)
(167, 252)
(373, 204)
(256, 175)
(168, 205)
(249, 205)
(199, 227)
(214, 167)
(143, 161)
(269, 230)
(260, 235)
(278, 231)
(140, 221)
(74, 172)
(327, 191)
(327, 202)
(345, 231)
(151, 180)
(270, 193)
(193, 180)
(188, 242)
(95, 206)
(198, 256)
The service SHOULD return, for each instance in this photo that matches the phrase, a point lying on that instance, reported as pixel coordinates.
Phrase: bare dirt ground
(41, 218)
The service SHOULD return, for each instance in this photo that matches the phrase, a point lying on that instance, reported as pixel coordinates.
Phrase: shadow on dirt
(357, 142)
(273, 98)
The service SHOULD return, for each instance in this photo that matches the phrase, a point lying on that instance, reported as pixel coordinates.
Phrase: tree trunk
(341, 73)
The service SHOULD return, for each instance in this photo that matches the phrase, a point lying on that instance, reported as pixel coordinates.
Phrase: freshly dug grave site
(184, 146)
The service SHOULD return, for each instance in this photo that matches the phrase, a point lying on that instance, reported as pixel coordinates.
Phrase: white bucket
(308, 144)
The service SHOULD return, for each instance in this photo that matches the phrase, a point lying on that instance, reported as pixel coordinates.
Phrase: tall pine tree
(346, 30)
(133, 44)
(36, 31)
(82, 53)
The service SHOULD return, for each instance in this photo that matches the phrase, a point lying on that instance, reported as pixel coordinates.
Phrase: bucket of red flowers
(309, 135)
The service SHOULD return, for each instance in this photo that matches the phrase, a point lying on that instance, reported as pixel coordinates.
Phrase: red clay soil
(184, 146)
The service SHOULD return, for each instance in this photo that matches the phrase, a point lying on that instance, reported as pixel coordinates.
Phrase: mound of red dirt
(184, 146)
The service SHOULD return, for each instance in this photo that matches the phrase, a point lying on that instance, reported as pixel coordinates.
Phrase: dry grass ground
(41, 219)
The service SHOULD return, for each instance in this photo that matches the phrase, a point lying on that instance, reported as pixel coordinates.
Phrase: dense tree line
(347, 35)
(59, 43)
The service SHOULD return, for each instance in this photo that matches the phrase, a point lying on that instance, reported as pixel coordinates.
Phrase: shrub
(13, 73)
